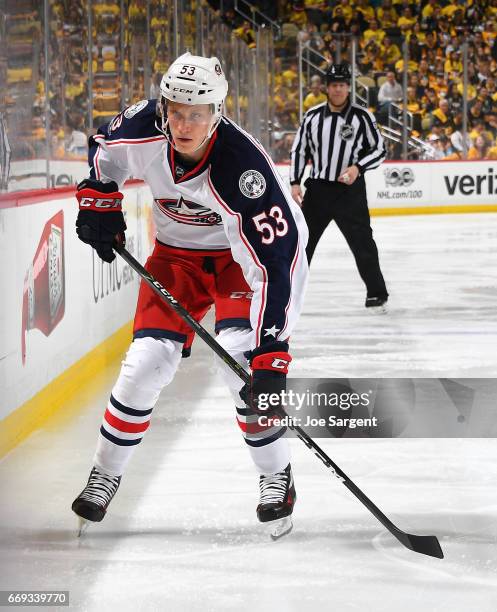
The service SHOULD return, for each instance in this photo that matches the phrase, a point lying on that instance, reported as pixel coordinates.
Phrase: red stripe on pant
(253, 428)
(124, 426)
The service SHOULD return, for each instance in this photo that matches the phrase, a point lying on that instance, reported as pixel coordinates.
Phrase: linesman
(342, 141)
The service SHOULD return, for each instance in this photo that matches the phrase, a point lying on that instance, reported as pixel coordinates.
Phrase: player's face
(337, 93)
(189, 126)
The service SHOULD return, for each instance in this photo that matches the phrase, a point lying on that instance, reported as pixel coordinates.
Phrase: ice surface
(181, 534)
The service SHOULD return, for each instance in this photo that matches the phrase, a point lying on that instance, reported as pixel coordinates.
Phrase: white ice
(181, 534)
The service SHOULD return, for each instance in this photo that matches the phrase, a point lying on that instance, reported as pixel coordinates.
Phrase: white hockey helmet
(192, 79)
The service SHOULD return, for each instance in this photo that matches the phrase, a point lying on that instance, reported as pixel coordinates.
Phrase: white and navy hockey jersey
(233, 198)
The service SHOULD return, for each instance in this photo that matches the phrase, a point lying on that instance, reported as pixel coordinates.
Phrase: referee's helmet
(338, 73)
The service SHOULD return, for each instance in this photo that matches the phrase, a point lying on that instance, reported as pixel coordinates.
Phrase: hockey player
(228, 234)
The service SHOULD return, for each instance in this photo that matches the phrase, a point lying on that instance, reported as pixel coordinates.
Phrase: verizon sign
(468, 184)
(433, 184)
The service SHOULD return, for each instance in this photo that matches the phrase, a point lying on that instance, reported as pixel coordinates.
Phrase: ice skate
(376, 305)
(91, 504)
(277, 498)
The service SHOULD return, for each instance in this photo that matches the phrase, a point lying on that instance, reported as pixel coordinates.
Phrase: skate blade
(280, 528)
(82, 526)
(377, 310)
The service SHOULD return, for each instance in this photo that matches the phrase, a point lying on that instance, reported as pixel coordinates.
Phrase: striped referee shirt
(333, 141)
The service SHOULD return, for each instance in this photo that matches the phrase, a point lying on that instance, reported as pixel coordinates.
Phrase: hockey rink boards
(182, 535)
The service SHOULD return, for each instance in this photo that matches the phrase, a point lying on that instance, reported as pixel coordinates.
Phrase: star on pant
(271, 331)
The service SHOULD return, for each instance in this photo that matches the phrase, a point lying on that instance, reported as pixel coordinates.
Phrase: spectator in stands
(419, 90)
(310, 36)
(492, 88)
(57, 145)
(414, 107)
(359, 20)
(316, 95)
(389, 92)
(155, 85)
(494, 50)
(440, 85)
(373, 33)
(478, 129)
(483, 70)
(367, 11)
(338, 22)
(447, 148)
(444, 29)
(429, 8)
(414, 50)
(298, 16)
(159, 24)
(475, 112)
(489, 34)
(390, 52)
(372, 60)
(345, 9)
(246, 33)
(430, 43)
(430, 23)
(454, 98)
(482, 149)
(435, 142)
(137, 14)
(314, 10)
(441, 116)
(457, 138)
(491, 125)
(453, 62)
(406, 21)
(486, 101)
(430, 103)
(387, 15)
(412, 65)
(77, 144)
(291, 75)
(418, 35)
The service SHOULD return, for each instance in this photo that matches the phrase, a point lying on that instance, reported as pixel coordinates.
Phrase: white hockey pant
(150, 364)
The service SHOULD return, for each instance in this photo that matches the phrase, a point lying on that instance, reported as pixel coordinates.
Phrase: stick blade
(425, 545)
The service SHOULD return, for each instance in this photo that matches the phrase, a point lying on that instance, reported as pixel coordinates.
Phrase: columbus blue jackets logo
(346, 132)
(131, 111)
(252, 184)
(188, 213)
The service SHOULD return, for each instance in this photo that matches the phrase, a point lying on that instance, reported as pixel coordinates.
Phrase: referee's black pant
(348, 206)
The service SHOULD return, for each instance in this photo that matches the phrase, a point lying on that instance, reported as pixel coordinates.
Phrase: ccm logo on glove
(92, 203)
(280, 364)
(277, 361)
(100, 221)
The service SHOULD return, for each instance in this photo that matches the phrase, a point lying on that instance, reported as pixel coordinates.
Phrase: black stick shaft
(306, 439)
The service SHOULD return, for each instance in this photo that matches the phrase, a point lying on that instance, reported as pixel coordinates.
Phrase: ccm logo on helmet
(100, 203)
(189, 91)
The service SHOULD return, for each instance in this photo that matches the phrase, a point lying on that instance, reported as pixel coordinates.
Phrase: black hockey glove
(100, 221)
(269, 367)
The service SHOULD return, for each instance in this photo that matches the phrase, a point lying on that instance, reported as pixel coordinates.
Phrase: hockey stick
(426, 545)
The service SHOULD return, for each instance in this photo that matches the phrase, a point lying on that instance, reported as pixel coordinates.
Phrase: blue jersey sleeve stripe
(279, 183)
(247, 244)
(292, 270)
